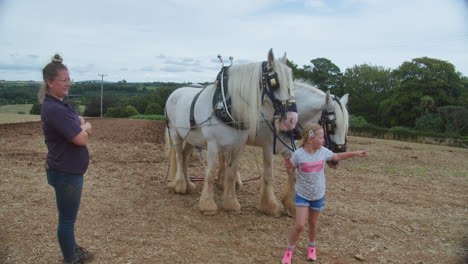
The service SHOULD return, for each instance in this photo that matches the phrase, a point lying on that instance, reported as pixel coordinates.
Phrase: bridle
(269, 85)
(328, 122)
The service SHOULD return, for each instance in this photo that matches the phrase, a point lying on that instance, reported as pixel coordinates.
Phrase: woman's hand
(86, 126)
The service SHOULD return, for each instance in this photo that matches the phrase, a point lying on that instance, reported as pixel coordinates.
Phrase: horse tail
(171, 155)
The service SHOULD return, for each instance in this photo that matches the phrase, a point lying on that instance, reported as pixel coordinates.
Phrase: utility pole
(102, 84)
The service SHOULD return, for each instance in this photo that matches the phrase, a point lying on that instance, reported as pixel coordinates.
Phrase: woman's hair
(49, 72)
(309, 130)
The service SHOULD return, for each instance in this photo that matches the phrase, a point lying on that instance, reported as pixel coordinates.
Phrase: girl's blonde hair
(309, 130)
(49, 72)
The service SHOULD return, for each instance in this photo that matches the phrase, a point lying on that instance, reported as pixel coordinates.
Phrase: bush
(114, 112)
(357, 121)
(21, 113)
(149, 117)
(429, 122)
(93, 108)
(130, 111)
(35, 109)
(154, 109)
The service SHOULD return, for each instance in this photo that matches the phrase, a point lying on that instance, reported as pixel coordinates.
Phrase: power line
(102, 84)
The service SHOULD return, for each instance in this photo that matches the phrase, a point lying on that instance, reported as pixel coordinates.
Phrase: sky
(179, 40)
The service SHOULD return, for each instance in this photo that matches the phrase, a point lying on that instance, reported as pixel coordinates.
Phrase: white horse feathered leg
(224, 159)
(187, 153)
(172, 161)
(176, 163)
(180, 184)
(206, 203)
(230, 197)
(268, 203)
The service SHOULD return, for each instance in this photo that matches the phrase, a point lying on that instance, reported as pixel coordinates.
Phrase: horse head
(266, 88)
(277, 84)
(334, 120)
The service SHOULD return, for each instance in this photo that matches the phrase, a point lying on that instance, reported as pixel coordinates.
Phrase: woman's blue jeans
(68, 188)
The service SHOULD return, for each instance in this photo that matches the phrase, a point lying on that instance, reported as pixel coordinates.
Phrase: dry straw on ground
(405, 203)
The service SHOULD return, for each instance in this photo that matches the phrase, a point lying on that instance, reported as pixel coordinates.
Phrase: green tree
(367, 87)
(427, 103)
(130, 111)
(416, 79)
(114, 112)
(297, 72)
(35, 109)
(154, 109)
(325, 74)
(455, 119)
(94, 107)
(430, 122)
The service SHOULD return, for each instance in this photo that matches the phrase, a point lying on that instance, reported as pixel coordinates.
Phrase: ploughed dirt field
(404, 203)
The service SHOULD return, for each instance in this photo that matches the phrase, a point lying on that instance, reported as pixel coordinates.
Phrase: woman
(66, 135)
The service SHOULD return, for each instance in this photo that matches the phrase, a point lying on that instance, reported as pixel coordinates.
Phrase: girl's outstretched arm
(347, 155)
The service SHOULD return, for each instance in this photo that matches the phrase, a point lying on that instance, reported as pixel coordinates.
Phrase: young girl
(310, 185)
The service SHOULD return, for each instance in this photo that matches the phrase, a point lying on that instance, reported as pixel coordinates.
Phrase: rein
(289, 134)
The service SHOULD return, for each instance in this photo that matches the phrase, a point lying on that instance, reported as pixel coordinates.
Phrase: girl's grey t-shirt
(310, 183)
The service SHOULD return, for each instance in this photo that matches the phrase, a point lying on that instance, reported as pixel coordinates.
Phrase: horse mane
(342, 116)
(309, 86)
(246, 93)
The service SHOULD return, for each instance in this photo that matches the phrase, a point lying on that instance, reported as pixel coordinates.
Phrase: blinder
(270, 83)
(328, 122)
(273, 81)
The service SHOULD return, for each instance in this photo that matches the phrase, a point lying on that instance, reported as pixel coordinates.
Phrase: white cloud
(159, 40)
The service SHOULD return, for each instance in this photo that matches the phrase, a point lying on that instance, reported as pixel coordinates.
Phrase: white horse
(313, 105)
(247, 85)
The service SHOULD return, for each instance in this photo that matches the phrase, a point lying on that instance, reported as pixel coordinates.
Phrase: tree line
(426, 94)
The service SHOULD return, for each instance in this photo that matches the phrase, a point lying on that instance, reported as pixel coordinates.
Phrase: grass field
(17, 118)
(25, 108)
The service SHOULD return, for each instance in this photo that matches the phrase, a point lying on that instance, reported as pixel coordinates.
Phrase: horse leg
(187, 153)
(224, 157)
(206, 204)
(238, 180)
(172, 168)
(180, 185)
(171, 155)
(268, 203)
(230, 196)
(287, 198)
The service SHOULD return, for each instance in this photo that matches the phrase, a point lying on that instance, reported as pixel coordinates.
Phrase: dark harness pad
(221, 109)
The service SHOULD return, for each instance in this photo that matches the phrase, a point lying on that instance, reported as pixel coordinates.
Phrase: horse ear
(284, 59)
(328, 101)
(271, 58)
(344, 99)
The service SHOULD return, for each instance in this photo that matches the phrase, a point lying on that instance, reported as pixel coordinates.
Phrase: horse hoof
(191, 187)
